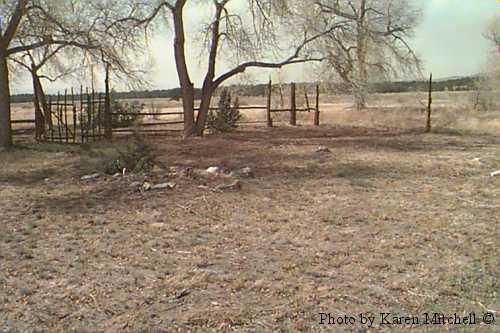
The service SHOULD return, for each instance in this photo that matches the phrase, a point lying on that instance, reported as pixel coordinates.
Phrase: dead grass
(389, 221)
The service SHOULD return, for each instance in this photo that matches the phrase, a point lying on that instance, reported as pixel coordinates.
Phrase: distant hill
(450, 84)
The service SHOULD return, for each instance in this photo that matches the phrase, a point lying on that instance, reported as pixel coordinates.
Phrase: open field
(452, 111)
(388, 221)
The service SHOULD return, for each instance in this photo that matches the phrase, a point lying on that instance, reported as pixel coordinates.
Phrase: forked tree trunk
(201, 120)
(187, 88)
(209, 85)
(39, 118)
(5, 117)
(43, 100)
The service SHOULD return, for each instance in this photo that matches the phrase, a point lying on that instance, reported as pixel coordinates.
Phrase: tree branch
(24, 48)
(19, 12)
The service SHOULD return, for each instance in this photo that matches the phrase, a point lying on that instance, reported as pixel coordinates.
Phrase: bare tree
(492, 32)
(488, 83)
(246, 31)
(28, 25)
(371, 41)
(63, 35)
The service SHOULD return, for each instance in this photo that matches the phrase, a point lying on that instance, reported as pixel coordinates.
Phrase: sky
(449, 39)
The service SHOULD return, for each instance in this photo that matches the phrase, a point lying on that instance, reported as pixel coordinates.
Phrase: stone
(236, 185)
(323, 149)
(162, 186)
(146, 186)
(495, 173)
(159, 225)
(90, 177)
(213, 170)
(246, 172)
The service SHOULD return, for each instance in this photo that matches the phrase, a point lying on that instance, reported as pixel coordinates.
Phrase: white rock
(213, 170)
(162, 186)
(323, 149)
(495, 173)
(90, 177)
(159, 225)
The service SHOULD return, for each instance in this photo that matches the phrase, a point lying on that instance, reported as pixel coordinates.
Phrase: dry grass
(389, 221)
(452, 112)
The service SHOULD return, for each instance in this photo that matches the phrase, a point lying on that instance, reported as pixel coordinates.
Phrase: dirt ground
(387, 221)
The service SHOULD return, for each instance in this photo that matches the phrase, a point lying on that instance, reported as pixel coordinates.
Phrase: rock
(157, 169)
(159, 225)
(236, 185)
(259, 284)
(90, 177)
(162, 186)
(495, 173)
(135, 184)
(146, 186)
(117, 175)
(246, 172)
(323, 149)
(213, 170)
(187, 172)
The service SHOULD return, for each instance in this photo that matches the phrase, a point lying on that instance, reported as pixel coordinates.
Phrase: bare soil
(388, 221)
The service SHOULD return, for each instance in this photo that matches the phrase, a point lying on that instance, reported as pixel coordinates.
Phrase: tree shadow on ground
(261, 150)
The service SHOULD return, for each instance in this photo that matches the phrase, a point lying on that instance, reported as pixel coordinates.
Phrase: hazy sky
(449, 40)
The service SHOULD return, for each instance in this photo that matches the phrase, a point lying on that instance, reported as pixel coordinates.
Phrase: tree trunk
(361, 74)
(201, 120)
(39, 118)
(359, 96)
(187, 88)
(5, 125)
(43, 101)
(208, 83)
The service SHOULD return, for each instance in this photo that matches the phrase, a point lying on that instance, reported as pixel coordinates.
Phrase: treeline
(174, 94)
(455, 84)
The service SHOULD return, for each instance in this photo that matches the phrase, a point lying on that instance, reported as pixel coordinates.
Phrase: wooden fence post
(429, 109)
(268, 106)
(316, 111)
(108, 127)
(293, 107)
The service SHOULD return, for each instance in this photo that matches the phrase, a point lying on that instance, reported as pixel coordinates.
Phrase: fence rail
(87, 116)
